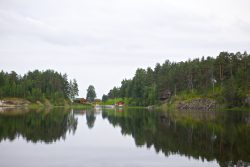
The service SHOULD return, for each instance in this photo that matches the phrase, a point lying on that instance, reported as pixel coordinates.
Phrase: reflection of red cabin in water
(119, 103)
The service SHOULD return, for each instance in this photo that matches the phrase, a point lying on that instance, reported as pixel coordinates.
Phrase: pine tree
(91, 95)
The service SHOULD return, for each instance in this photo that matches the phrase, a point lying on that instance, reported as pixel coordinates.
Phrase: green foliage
(104, 98)
(91, 95)
(38, 86)
(73, 89)
(36, 95)
(112, 101)
(187, 95)
(225, 78)
(233, 95)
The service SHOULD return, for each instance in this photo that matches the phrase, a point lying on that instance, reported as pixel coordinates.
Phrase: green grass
(186, 96)
(112, 101)
(73, 106)
(35, 106)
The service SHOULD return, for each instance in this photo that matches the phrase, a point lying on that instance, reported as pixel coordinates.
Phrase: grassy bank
(68, 106)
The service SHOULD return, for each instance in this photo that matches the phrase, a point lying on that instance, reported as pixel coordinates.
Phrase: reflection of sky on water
(102, 145)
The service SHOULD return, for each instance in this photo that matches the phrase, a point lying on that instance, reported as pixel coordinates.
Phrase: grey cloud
(14, 24)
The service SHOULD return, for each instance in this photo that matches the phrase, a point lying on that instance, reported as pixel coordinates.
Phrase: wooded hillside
(225, 78)
(38, 85)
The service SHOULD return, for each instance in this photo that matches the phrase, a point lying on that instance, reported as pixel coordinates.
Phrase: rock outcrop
(15, 102)
(203, 104)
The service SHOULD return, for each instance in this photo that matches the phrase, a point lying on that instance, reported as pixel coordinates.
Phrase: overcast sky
(101, 42)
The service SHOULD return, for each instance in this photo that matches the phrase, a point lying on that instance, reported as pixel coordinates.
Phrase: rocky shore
(203, 104)
(15, 102)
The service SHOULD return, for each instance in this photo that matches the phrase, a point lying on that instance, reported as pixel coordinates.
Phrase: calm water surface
(133, 137)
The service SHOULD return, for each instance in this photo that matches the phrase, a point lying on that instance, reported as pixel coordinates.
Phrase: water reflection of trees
(37, 126)
(212, 136)
(90, 117)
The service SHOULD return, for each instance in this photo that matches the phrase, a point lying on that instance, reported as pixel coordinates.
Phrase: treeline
(38, 86)
(225, 78)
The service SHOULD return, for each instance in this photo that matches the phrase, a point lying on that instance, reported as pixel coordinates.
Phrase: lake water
(133, 137)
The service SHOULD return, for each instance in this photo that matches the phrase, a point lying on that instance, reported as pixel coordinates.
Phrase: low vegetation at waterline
(225, 79)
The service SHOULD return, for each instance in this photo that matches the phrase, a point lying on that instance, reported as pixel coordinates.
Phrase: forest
(225, 78)
(38, 86)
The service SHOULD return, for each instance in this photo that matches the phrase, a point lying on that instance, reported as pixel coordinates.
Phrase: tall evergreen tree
(91, 95)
